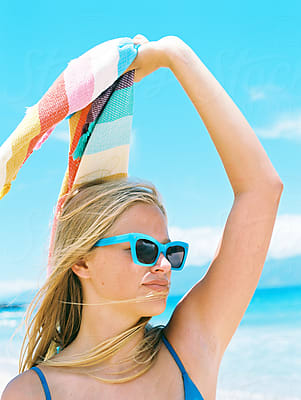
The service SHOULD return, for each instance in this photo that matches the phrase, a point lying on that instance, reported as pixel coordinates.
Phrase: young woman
(112, 262)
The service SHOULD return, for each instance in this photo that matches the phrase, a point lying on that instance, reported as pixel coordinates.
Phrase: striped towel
(99, 101)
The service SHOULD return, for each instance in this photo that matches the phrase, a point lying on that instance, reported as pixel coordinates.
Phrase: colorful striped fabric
(99, 100)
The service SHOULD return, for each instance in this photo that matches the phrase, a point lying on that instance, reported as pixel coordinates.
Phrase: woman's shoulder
(26, 386)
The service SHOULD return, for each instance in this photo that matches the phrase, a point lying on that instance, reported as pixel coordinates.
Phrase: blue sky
(252, 51)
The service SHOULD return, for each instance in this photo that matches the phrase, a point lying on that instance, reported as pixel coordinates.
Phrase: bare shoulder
(25, 386)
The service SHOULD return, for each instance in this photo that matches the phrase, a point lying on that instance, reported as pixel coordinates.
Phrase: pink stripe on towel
(79, 83)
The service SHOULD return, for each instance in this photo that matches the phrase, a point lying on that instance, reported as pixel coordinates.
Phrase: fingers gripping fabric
(99, 101)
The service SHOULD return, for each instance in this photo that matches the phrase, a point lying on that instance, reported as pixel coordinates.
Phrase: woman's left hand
(150, 57)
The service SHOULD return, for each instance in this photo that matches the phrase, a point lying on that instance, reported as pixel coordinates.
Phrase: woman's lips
(157, 287)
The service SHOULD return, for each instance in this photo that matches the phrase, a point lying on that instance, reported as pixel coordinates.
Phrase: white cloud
(286, 237)
(14, 287)
(256, 94)
(133, 138)
(61, 132)
(266, 91)
(287, 126)
(203, 241)
(61, 135)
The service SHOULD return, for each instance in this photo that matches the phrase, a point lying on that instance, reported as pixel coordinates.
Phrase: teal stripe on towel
(110, 134)
(127, 54)
(120, 105)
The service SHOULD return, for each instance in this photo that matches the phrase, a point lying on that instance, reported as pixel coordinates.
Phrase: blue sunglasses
(146, 250)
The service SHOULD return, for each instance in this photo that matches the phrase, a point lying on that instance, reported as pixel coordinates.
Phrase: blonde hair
(54, 316)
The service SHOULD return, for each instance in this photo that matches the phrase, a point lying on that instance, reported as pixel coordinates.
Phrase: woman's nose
(162, 264)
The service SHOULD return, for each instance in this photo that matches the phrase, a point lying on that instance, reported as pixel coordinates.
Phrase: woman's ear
(81, 269)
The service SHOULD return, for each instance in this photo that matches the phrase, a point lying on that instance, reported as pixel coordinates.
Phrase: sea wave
(12, 314)
(10, 323)
(223, 394)
(8, 370)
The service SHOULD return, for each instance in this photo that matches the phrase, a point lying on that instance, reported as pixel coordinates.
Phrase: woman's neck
(100, 324)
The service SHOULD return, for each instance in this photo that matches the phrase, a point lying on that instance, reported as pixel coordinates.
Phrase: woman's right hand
(152, 55)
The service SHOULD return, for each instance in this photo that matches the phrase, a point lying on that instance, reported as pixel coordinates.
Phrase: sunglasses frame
(132, 238)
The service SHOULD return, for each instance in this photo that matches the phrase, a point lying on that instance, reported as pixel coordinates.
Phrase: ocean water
(262, 361)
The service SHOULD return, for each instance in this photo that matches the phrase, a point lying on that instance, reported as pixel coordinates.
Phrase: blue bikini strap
(174, 354)
(43, 381)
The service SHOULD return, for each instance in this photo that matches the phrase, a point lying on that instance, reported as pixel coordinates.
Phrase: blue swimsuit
(191, 391)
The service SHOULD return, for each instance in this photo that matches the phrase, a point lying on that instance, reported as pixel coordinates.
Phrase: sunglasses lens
(146, 251)
(175, 255)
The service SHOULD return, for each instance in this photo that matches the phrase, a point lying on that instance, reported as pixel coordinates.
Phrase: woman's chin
(156, 307)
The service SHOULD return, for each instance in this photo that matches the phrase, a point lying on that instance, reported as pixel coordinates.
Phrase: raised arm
(215, 306)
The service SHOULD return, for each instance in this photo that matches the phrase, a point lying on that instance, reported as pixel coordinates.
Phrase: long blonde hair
(53, 318)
